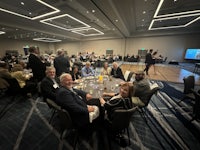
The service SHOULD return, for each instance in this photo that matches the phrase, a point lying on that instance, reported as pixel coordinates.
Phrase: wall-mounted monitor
(192, 53)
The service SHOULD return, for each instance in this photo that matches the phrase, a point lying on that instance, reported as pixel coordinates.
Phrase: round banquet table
(96, 88)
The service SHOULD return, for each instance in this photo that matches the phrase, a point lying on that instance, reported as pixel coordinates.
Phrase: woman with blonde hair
(106, 70)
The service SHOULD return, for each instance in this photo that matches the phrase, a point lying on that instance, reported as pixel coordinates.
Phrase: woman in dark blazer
(75, 73)
(117, 71)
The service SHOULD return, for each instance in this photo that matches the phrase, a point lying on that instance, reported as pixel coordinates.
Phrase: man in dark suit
(50, 84)
(37, 66)
(61, 63)
(75, 102)
(148, 61)
(117, 71)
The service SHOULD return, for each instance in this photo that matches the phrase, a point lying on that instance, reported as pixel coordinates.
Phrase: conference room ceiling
(79, 20)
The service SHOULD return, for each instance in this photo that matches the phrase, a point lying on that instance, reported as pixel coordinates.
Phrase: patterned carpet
(24, 125)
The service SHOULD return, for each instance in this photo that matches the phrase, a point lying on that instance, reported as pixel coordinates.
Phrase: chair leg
(66, 133)
(143, 114)
(129, 141)
(53, 113)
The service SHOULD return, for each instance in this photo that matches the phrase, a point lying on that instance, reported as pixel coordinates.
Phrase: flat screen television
(192, 53)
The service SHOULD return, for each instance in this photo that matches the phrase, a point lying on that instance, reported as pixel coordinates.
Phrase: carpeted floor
(24, 125)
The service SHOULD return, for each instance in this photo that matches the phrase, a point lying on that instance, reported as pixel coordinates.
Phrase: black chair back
(65, 119)
(121, 119)
(189, 83)
(196, 106)
(149, 94)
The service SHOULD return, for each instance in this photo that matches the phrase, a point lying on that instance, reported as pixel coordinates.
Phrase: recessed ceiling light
(116, 20)
(144, 12)
(93, 11)
(22, 3)
(2, 32)
(29, 13)
(142, 19)
(87, 12)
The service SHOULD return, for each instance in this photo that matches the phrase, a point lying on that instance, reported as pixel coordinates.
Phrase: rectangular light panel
(33, 18)
(48, 22)
(91, 32)
(47, 40)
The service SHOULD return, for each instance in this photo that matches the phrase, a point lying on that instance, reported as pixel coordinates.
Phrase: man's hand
(90, 108)
(102, 101)
(88, 96)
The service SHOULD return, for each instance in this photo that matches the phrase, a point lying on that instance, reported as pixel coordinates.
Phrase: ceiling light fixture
(2, 32)
(173, 14)
(60, 27)
(22, 3)
(177, 16)
(174, 17)
(33, 18)
(47, 40)
(88, 34)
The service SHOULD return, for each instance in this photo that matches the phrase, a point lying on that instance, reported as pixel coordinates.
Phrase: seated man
(50, 84)
(117, 72)
(122, 100)
(141, 86)
(87, 70)
(75, 102)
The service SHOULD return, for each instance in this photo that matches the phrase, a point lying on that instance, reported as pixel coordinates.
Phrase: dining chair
(196, 106)
(146, 100)
(52, 105)
(127, 75)
(66, 126)
(189, 83)
(120, 121)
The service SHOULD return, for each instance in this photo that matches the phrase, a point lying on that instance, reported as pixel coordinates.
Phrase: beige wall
(172, 47)
(18, 45)
(99, 47)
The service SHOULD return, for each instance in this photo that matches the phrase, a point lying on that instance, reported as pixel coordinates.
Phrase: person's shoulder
(63, 90)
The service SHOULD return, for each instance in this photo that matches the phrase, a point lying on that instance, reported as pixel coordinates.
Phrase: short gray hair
(50, 68)
(63, 77)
